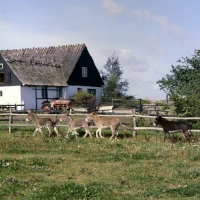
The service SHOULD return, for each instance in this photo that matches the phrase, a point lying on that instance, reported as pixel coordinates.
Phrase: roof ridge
(77, 46)
(50, 56)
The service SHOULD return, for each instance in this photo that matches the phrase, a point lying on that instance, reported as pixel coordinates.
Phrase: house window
(92, 91)
(60, 93)
(1, 65)
(84, 72)
(79, 89)
(1, 93)
(1, 77)
(44, 92)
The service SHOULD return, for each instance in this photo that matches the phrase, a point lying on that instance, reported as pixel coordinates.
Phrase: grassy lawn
(92, 168)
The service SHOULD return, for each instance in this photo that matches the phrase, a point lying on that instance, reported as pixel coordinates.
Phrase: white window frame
(1, 65)
(84, 72)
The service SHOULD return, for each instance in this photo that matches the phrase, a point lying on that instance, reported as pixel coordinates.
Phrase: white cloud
(113, 8)
(133, 63)
(142, 14)
(173, 29)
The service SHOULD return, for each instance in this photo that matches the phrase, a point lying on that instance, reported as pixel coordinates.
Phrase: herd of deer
(75, 124)
(102, 122)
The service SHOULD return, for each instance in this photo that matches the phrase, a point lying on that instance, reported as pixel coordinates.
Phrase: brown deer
(105, 122)
(75, 124)
(41, 123)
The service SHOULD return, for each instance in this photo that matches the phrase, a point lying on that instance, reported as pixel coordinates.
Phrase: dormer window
(1, 65)
(84, 72)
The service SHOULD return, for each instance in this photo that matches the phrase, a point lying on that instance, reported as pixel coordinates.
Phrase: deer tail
(125, 128)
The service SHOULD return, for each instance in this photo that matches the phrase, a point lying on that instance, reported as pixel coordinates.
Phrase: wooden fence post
(10, 121)
(156, 108)
(134, 124)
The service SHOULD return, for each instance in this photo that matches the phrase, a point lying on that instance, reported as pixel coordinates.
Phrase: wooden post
(140, 106)
(134, 124)
(156, 108)
(10, 121)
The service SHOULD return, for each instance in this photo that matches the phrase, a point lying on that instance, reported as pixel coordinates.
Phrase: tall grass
(90, 168)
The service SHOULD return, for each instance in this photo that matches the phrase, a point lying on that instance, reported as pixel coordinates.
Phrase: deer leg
(113, 133)
(67, 134)
(56, 130)
(85, 134)
(97, 133)
(68, 131)
(49, 129)
(100, 133)
(74, 132)
(87, 131)
(165, 135)
(111, 136)
(187, 136)
(116, 132)
(35, 131)
(40, 130)
(90, 134)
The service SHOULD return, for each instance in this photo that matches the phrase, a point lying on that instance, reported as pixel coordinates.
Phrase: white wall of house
(10, 95)
(27, 95)
(71, 90)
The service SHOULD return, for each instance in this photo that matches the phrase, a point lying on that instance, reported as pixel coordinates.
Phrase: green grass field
(92, 168)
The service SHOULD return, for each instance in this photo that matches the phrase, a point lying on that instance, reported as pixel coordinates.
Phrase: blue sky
(148, 36)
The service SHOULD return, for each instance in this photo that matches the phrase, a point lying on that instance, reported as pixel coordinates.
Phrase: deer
(105, 122)
(178, 125)
(75, 124)
(41, 123)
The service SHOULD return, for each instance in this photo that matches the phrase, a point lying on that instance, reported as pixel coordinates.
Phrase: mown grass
(91, 168)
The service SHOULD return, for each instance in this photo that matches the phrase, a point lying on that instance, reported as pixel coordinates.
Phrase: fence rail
(10, 120)
(10, 106)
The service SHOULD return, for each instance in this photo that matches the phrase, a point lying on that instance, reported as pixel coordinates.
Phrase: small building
(34, 75)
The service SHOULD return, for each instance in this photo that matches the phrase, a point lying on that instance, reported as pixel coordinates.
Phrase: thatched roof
(44, 66)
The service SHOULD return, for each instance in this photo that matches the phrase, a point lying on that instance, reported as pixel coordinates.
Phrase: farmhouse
(34, 75)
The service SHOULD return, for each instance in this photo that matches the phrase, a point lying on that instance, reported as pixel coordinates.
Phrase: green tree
(183, 85)
(86, 100)
(114, 86)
